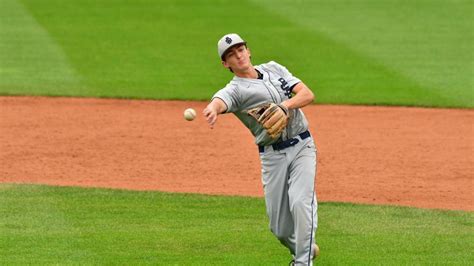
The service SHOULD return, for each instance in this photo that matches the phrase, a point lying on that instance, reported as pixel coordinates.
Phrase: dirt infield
(385, 155)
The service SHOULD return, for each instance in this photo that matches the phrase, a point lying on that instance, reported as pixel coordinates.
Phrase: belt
(287, 143)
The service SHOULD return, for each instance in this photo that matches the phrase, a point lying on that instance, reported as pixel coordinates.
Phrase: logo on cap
(228, 40)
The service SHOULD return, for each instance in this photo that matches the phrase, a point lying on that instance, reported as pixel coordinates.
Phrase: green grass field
(388, 52)
(60, 225)
(391, 52)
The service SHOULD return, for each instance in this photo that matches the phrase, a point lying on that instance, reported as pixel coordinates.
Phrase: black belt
(287, 143)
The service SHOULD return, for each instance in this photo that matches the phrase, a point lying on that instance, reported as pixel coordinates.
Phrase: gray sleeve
(231, 97)
(284, 73)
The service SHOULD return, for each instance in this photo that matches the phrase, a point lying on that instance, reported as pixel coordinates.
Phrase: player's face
(237, 58)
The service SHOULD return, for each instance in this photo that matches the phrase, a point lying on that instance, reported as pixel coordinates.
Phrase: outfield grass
(62, 225)
(391, 52)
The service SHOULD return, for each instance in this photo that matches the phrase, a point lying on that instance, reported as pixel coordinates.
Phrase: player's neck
(249, 73)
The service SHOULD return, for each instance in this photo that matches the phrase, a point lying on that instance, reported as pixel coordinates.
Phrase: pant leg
(302, 199)
(275, 185)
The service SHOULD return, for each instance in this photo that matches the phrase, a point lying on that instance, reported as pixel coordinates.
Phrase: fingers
(210, 115)
(211, 120)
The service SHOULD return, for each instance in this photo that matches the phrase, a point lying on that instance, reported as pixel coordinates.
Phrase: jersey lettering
(285, 87)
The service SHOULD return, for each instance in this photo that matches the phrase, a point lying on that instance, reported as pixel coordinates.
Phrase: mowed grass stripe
(428, 42)
(50, 225)
(139, 49)
(31, 62)
(339, 75)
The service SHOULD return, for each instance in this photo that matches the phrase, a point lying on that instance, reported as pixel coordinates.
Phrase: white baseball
(189, 114)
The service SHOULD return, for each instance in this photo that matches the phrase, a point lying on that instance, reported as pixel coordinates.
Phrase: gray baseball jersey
(242, 94)
(287, 173)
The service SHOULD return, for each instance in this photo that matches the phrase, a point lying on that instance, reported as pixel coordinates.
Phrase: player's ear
(224, 63)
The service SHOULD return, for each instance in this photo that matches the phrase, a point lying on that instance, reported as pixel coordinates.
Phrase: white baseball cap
(228, 41)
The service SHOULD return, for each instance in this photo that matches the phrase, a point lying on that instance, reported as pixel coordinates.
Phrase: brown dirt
(384, 155)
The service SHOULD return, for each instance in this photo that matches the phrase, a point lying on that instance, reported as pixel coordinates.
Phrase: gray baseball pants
(288, 178)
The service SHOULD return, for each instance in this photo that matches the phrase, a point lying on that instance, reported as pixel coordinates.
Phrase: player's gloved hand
(273, 117)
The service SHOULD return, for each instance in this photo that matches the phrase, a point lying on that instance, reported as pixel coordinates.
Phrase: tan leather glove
(273, 117)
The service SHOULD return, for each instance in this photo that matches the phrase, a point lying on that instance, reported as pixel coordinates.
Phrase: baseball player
(267, 99)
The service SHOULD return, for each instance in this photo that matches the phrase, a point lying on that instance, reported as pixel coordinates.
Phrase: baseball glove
(273, 117)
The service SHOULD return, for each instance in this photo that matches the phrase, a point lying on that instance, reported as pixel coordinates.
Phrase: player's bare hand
(212, 110)
(211, 116)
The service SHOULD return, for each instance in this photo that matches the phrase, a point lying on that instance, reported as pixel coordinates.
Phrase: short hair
(228, 50)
